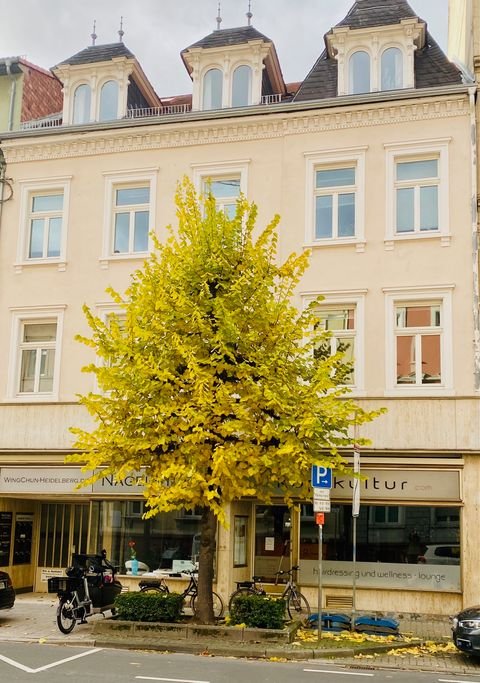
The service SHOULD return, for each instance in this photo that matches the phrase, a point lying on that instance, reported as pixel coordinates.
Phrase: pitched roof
(365, 13)
(98, 53)
(230, 36)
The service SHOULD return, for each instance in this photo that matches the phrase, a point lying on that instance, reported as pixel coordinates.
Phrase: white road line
(172, 680)
(338, 673)
(456, 680)
(28, 670)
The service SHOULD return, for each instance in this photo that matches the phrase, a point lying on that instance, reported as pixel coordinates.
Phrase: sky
(48, 31)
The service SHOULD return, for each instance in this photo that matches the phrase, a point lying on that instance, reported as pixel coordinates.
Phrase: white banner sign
(63, 480)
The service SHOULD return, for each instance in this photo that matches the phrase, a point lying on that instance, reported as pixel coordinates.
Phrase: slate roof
(230, 36)
(98, 53)
(432, 68)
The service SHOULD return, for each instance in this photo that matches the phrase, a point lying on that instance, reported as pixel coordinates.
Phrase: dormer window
(359, 72)
(81, 104)
(241, 86)
(108, 101)
(213, 89)
(391, 69)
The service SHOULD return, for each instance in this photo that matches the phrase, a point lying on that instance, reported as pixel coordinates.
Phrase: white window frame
(371, 78)
(250, 81)
(29, 189)
(422, 150)
(117, 180)
(354, 156)
(442, 295)
(347, 299)
(201, 173)
(21, 316)
(382, 52)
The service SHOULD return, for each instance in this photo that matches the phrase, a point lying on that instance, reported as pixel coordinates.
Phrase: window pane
(337, 319)
(418, 316)
(109, 101)
(429, 208)
(122, 225)
(140, 237)
(406, 209)
(406, 360)
(54, 236)
(431, 366)
(323, 216)
(47, 361)
(212, 89)
(359, 72)
(37, 332)
(49, 202)
(241, 86)
(230, 210)
(132, 195)
(229, 187)
(346, 215)
(27, 371)
(392, 69)
(347, 346)
(35, 249)
(416, 170)
(81, 104)
(335, 177)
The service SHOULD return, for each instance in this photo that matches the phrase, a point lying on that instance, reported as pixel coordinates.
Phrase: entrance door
(63, 531)
(272, 540)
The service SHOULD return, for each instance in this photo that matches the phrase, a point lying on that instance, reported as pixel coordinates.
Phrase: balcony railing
(46, 122)
(158, 111)
(271, 99)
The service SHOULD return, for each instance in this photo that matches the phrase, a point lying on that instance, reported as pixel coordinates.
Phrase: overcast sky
(48, 31)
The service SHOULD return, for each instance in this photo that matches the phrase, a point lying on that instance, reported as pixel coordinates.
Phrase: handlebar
(287, 571)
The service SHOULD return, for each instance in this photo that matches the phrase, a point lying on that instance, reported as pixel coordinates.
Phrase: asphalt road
(31, 661)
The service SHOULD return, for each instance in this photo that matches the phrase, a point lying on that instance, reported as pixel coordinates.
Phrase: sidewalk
(33, 619)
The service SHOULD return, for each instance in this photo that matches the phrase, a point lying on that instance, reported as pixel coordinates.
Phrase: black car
(466, 630)
(7, 593)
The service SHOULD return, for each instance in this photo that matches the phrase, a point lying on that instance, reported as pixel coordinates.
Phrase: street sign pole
(320, 578)
(355, 513)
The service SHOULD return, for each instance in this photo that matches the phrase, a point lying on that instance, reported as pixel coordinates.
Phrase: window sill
(359, 244)
(413, 392)
(61, 264)
(444, 237)
(34, 398)
(137, 256)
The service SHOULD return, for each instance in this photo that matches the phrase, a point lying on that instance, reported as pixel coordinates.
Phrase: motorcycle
(89, 587)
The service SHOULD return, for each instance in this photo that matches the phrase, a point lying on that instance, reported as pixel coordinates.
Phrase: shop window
(241, 86)
(81, 104)
(359, 73)
(391, 69)
(108, 101)
(213, 89)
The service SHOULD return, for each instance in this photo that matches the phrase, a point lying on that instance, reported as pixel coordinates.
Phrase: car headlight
(454, 622)
(469, 623)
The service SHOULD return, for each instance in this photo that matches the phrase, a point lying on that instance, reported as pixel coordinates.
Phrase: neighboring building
(370, 164)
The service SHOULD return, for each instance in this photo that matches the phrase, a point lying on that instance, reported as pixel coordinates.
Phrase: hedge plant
(258, 611)
(138, 606)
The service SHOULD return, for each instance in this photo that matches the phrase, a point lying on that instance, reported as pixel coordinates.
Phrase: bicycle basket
(244, 584)
(63, 584)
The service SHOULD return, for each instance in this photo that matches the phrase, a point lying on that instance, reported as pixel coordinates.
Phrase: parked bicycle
(296, 603)
(150, 585)
(89, 587)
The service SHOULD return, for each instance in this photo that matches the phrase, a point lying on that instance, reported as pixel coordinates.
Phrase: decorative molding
(186, 133)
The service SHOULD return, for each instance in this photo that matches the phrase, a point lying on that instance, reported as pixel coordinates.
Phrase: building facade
(370, 164)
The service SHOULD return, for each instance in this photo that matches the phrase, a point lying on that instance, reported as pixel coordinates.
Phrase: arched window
(108, 101)
(212, 89)
(392, 69)
(359, 76)
(242, 77)
(81, 104)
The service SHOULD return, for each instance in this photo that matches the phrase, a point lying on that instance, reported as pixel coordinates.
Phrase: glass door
(63, 531)
(272, 540)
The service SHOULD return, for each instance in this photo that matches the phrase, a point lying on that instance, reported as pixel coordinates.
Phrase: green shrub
(138, 606)
(258, 611)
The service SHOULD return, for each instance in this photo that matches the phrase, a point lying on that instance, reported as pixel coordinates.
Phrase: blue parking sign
(321, 477)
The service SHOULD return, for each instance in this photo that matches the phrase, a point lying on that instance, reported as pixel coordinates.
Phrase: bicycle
(296, 603)
(191, 592)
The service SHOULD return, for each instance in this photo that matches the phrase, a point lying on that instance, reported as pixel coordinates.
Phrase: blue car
(466, 630)
(7, 593)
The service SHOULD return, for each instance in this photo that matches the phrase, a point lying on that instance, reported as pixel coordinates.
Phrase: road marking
(172, 680)
(457, 680)
(339, 673)
(28, 670)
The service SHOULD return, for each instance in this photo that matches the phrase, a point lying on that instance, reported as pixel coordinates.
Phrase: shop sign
(401, 485)
(48, 572)
(64, 480)
(383, 575)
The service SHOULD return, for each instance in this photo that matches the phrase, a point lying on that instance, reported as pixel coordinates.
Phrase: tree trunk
(204, 607)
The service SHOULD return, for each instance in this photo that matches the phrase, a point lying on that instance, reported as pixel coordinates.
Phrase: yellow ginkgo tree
(213, 386)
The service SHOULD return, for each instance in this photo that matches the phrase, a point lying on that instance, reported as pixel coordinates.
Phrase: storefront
(409, 547)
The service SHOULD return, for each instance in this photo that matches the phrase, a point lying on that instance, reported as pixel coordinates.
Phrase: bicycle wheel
(66, 619)
(154, 589)
(217, 605)
(297, 606)
(238, 593)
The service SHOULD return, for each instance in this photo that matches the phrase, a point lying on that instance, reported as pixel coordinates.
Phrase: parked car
(466, 630)
(7, 593)
(441, 554)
